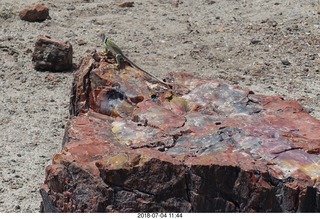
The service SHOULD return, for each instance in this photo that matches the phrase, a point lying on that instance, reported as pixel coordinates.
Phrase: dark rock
(34, 13)
(135, 146)
(285, 62)
(52, 55)
(126, 4)
(255, 41)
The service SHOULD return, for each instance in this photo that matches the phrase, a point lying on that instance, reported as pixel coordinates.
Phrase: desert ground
(271, 47)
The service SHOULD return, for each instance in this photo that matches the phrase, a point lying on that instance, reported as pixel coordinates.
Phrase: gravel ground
(271, 47)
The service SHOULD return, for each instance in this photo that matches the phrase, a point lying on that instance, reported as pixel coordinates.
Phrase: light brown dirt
(246, 43)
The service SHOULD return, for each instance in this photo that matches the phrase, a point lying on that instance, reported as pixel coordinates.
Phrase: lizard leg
(106, 51)
(118, 60)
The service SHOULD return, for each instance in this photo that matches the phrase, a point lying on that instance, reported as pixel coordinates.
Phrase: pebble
(126, 4)
(16, 185)
(81, 42)
(255, 41)
(274, 23)
(21, 197)
(285, 62)
(71, 7)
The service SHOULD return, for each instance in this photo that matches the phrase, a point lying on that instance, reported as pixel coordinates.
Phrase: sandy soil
(269, 46)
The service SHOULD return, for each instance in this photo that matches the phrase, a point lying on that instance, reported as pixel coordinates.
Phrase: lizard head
(104, 37)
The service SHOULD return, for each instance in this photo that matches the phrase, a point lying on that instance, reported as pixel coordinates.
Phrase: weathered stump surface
(133, 145)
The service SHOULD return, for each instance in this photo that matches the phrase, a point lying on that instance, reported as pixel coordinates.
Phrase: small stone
(71, 7)
(295, 26)
(36, 13)
(34, 190)
(6, 179)
(255, 41)
(51, 55)
(21, 197)
(285, 62)
(81, 42)
(210, 2)
(274, 23)
(126, 4)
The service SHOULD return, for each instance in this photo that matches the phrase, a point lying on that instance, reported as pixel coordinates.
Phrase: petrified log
(52, 55)
(136, 146)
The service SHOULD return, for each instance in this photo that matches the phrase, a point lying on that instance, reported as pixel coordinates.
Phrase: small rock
(81, 42)
(21, 197)
(255, 41)
(71, 7)
(210, 2)
(285, 62)
(52, 55)
(126, 4)
(34, 190)
(27, 51)
(273, 23)
(13, 186)
(35, 13)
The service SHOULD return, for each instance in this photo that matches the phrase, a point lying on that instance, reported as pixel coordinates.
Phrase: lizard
(118, 54)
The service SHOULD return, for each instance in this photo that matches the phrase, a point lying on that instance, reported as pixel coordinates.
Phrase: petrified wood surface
(52, 55)
(133, 145)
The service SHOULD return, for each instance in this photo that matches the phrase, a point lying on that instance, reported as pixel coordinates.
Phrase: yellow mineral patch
(312, 170)
(135, 159)
(117, 127)
(289, 166)
(286, 166)
(119, 161)
(182, 103)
